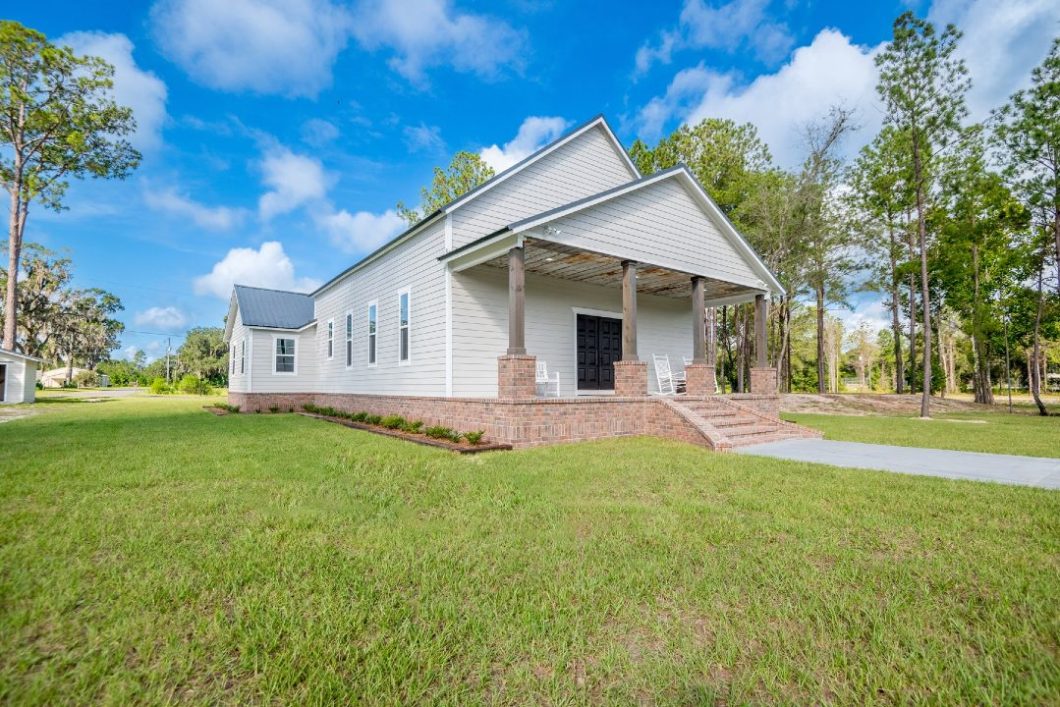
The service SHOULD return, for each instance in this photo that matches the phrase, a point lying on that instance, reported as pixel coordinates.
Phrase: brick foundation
(516, 377)
(631, 378)
(521, 423)
(764, 381)
(700, 379)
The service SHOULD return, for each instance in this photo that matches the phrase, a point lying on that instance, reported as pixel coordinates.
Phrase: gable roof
(596, 122)
(24, 357)
(681, 173)
(276, 309)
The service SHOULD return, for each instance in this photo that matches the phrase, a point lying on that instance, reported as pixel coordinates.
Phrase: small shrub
(310, 408)
(474, 437)
(226, 406)
(393, 422)
(373, 419)
(86, 379)
(193, 385)
(413, 427)
(159, 386)
(439, 432)
(274, 409)
(359, 416)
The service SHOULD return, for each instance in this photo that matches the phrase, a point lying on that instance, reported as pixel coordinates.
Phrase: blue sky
(278, 135)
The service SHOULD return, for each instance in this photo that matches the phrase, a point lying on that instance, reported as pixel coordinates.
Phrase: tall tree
(465, 172)
(880, 195)
(1028, 130)
(923, 83)
(205, 354)
(827, 237)
(57, 121)
(43, 292)
(86, 330)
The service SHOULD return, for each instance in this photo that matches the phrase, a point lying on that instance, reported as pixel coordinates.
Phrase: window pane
(349, 352)
(404, 316)
(285, 364)
(371, 319)
(405, 344)
(349, 326)
(371, 349)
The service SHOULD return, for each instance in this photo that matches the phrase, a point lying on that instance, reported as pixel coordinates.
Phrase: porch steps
(727, 425)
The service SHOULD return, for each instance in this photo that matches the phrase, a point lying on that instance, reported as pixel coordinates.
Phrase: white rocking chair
(670, 383)
(544, 381)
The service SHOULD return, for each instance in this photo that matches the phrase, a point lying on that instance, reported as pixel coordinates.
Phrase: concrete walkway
(1001, 468)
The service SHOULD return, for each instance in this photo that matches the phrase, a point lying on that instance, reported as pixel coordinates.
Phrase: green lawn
(986, 431)
(153, 553)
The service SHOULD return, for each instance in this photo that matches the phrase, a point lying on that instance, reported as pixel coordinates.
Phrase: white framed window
(284, 359)
(373, 331)
(404, 326)
(349, 339)
(331, 339)
(243, 356)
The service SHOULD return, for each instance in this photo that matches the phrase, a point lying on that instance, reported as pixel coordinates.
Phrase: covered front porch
(610, 346)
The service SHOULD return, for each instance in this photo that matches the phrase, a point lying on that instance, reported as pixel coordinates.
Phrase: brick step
(735, 433)
(779, 436)
(730, 422)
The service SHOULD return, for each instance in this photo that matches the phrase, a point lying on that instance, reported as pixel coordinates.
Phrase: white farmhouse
(18, 377)
(570, 265)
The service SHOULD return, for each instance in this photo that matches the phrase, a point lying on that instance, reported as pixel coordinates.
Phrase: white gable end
(588, 164)
(661, 224)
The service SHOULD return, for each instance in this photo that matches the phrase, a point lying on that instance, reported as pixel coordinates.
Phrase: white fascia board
(741, 298)
(486, 251)
(291, 331)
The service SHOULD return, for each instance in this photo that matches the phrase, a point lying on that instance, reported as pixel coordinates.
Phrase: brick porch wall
(521, 423)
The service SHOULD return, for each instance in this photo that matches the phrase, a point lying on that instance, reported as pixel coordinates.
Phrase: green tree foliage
(204, 355)
(922, 84)
(466, 171)
(57, 121)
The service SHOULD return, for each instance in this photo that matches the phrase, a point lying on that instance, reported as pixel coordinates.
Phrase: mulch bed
(220, 412)
(458, 447)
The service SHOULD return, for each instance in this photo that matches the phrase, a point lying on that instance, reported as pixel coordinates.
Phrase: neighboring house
(55, 377)
(571, 258)
(18, 377)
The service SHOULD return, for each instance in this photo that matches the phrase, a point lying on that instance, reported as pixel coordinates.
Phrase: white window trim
(406, 291)
(347, 341)
(367, 324)
(275, 338)
(330, 339)
(243, 356)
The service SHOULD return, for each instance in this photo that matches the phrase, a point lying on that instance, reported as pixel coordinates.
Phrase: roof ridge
(271, 289)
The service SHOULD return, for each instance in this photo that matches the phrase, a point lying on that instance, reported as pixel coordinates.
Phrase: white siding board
(21, 385)
(480, 326)
(239, 382)
(413, 264)
(261, 353)
(660, 225)
(587, 165)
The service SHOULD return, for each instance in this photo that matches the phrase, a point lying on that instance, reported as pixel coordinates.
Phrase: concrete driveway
(1001, 468)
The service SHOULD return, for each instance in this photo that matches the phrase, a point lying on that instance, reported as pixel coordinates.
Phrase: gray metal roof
(274, 308)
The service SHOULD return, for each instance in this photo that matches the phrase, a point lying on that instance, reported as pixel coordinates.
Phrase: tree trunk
(912, 332)
(14, 253)
(1008, 366)
(1034, 367)
(925, 295)
(787, 344)
(896, 324)
(821, 385)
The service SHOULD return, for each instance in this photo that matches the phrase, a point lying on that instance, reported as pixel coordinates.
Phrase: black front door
(599, 346)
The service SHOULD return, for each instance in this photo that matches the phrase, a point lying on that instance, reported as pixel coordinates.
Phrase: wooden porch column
(699, 321)
(631, 374)
(699, 375)
(629, 311)
(516, 302)
(763, 378)
(761, 327)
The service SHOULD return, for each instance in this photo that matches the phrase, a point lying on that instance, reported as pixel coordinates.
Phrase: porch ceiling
(567, 263)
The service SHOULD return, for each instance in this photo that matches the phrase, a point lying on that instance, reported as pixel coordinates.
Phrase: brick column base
(700, 379)
(631, 378)
(516, 376)
(764, 381)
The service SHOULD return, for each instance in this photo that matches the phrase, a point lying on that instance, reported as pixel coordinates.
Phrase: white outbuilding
(18, 377)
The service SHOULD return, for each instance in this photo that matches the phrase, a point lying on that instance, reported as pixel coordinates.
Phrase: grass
(986, 431)
(153, 553)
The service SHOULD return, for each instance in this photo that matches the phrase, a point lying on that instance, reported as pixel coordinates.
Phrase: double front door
(599, 346)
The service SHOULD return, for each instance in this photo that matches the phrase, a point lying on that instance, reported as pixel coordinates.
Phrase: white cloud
(829, 71)
(318, 133)
(215, 218)
(135, 88)
(427, 33)
(1002, 42)
(424, 138)
(361, 231)
(534, 133)
(164, 318)
(269, 266)
(728, 26)
(293, 180)
(871, 313)
(285, 47)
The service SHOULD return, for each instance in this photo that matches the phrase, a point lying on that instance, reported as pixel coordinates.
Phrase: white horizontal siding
(587, 165)
(413, 265)
(480, 326)
(21, 380)
(660, 224)
(239, 382)
(262, 359)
